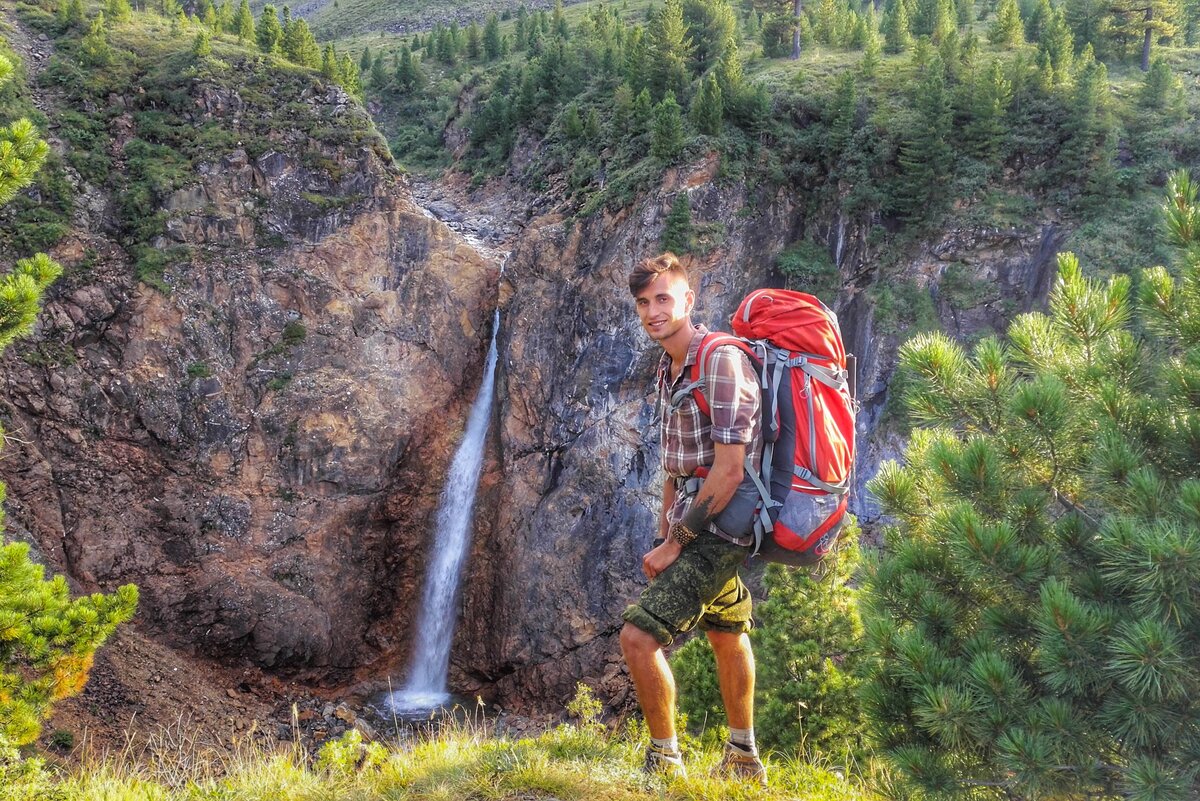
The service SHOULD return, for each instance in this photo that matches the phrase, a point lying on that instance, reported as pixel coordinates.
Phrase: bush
(1033, 618)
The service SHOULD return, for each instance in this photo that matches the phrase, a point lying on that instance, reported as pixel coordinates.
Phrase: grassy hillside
(570, 763)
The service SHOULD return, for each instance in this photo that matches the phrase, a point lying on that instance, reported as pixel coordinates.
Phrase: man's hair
(648, 270)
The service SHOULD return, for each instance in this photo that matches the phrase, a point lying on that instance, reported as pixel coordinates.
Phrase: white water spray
(426, 686)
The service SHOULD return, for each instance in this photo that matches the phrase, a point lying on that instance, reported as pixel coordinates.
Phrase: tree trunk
(796, 9)
(1146, 41)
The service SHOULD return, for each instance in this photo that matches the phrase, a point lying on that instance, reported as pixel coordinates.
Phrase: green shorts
(701, 587)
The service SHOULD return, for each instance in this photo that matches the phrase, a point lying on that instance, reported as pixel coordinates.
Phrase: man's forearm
(718, 488)
(668, 500)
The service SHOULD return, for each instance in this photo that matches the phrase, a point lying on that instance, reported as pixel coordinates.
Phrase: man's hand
(660, 558)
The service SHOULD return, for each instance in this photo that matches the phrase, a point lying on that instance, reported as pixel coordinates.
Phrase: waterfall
(426, 685)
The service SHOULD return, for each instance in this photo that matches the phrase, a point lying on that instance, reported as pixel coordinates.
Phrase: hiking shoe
(664, 763)
(742, 763)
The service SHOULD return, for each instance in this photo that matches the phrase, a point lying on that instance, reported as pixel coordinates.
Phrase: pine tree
(329, 63)
(474, 41)
(572, 123)
(669, 52)
(643, 113)
(730, 73)
(49, 640)
(1058, 45)
(299, 44)
(268, 31)
(872, 53)
(243, 23)
(708, 108)
(365, 61)
(120, 10)
(897, 34)
(1141, 22)
(409, 76)
(491, 38)
(990, 96)
(94, 45)
(1033, 616)
(349, 77)
(1162, 91)
(202, 44)
(677, 228)
(925, 153)
(1007, 30)
(1088, 21)
(379, 76)
(712, 26)
(667, 140)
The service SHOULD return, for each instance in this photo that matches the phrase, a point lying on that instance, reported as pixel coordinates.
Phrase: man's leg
(735, 674)
(652, 680)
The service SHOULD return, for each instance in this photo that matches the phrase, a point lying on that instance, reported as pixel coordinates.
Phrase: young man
(693, 573)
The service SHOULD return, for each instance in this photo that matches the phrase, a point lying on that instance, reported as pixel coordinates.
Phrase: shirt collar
(699, 332)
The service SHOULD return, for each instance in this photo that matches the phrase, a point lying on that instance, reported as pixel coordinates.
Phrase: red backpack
(797, 504)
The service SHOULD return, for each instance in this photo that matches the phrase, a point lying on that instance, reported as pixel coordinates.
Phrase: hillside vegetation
(908, 119)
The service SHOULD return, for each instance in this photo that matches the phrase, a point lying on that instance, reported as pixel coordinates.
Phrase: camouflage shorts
(701, 587)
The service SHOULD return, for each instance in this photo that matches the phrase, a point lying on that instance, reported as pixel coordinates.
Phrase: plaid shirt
(686, 435)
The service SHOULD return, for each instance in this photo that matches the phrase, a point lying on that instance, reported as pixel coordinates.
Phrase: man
(693, 573)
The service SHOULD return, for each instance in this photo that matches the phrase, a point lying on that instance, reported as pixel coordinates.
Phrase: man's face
(665, 306)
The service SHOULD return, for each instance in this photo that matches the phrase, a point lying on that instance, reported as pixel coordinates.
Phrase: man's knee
(637, 644)
(728, 642)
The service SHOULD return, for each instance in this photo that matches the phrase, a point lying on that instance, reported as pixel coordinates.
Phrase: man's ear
(691, 300)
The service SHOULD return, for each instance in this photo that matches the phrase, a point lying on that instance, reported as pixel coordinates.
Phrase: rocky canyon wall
(260, 444)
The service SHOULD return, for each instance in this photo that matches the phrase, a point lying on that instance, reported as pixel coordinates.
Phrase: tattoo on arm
(699, 515)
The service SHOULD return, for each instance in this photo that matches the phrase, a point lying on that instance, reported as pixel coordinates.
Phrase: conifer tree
(712, 26)
(349, 77)
(365, 61)
(48, 639)
(474, 41)
(1037, 20)
(643, 113)
(897, 34)
(94, 45)
(572, 123)
(119, 10)
(299, 44)
(243, 23)
(379, 77)
(990, 96)
(1033, 617)
(730, 74)
(1141, 22)
(636, 57)
(409, 76)
(669, 51)
(225, 17)
(1089, 21)
(708, 108)
(667, 139)
(925, 153)
(872, 53)
(71, 14)
(268, 31)
(677, 228)
(521, 37)
(202, 44)
(491, 38)
(329, 63)
(1058, 45)
(1007, 29)
(1162, 91)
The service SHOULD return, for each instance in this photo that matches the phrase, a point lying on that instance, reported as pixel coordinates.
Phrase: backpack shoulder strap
(699, 369)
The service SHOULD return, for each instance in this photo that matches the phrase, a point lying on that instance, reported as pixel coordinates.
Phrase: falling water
(426, 686)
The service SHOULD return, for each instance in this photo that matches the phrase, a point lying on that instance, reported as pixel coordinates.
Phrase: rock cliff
(259, 447)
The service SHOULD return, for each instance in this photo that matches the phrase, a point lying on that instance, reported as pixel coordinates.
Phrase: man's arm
(718, 488)
(668, 500)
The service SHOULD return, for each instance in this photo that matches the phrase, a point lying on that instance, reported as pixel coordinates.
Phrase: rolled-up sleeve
(733, 396)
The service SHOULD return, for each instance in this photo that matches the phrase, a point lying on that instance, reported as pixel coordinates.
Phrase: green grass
(465, 761)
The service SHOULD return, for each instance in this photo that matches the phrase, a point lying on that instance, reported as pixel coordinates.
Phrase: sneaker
(742, 763)
(664, 763)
